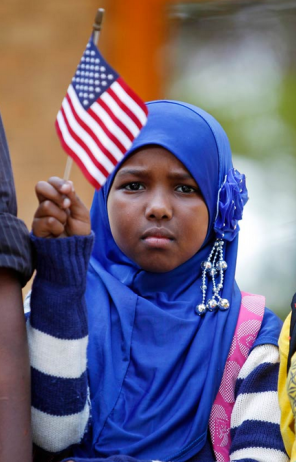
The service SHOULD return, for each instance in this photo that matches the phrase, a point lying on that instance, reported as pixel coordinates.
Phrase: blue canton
(93, 76)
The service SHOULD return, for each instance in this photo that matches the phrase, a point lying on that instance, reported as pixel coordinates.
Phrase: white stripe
(119, 113)
(129, 102)
(56, 357)
(55, 433)
(259, 454)
(27, 302)
(262, 406)
(83, 156)
(93, 125)
(261, 354)
(86, 138)
(111, 125)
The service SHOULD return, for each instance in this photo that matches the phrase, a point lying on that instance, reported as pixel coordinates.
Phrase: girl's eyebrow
(141, 172)
(133, 171)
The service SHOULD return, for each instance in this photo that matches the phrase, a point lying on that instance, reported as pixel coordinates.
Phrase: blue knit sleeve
(255, 429)
(58, 335)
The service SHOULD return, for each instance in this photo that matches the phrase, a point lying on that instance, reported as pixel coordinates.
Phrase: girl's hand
(60, 212)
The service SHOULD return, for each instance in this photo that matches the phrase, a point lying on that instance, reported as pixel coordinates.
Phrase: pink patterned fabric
(246, 331)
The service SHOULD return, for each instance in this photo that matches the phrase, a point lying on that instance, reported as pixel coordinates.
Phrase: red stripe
(84, 146)
(116, 120)
(104, 150)
(106, 130)
(133, 95)
(72, 154)
(125, 108)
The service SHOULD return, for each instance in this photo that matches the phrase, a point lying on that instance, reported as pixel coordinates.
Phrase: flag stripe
(118, 122)
(109, 127)
(125, 136)
(76, 159)
(123, 106)
(102, 151)
(78, 154)
(93, 126)
(133, 101)
(115, 105)
(81, 137)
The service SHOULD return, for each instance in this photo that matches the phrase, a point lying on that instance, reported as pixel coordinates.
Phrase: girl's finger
(47, 227)
(47, 191)
(50, 209)
(78, 209)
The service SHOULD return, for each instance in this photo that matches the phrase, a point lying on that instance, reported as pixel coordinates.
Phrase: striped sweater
(58, 336)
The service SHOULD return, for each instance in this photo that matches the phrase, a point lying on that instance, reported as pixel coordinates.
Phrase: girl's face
(157, 214)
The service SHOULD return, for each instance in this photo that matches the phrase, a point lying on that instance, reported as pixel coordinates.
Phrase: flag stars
(85, 102)
(97, 60)
(103, 76)
(92, 52)
(92, 60)
(104, 83)
(97, 82)
(103, 68)
(91, 95)
(97, 68)
(87, 52)
(110, 76)
(98, 89)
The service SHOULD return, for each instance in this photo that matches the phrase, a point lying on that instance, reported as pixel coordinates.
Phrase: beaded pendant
(213, 268)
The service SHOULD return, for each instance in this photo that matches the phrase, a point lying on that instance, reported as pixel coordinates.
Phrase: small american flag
(99, 118)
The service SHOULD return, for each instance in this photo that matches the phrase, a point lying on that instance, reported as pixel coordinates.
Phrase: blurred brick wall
(41, 44)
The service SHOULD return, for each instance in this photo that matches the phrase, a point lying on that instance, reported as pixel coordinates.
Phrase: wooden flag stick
(97, 26)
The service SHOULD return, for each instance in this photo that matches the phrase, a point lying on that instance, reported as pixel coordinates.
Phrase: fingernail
(66, 202)
(64, 187)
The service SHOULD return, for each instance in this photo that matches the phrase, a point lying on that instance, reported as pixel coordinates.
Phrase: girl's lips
(160, 242)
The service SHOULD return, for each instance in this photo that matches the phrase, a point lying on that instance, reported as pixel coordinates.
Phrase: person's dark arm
(15, 423)
(15, 271)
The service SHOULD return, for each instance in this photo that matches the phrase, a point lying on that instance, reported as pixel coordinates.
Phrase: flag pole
(97, 26)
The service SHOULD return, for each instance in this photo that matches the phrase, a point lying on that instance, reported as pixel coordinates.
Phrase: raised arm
(57, 327)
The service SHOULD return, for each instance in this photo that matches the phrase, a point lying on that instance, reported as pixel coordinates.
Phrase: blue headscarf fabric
(155, 366)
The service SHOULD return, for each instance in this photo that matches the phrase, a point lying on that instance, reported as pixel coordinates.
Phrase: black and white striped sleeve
(255, 420)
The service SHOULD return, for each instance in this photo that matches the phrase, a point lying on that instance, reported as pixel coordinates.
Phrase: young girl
(174, 349)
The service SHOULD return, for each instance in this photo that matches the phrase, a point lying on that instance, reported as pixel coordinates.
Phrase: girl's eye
(134, 186)
(185, 189)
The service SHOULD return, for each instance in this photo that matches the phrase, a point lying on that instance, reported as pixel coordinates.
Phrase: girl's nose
(159, 207)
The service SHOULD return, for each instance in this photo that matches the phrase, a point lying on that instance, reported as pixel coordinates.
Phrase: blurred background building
(235, 59)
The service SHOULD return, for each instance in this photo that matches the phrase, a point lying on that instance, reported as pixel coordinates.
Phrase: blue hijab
(155, 366)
